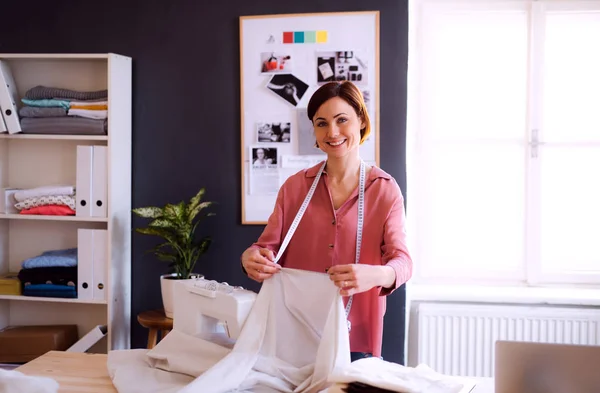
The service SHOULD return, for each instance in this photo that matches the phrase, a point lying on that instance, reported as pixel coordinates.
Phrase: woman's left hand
(357, 278)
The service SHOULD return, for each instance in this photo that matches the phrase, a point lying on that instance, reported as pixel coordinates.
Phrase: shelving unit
(28, 161)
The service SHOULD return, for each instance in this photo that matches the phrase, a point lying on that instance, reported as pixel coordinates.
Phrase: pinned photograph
(273, 132)
(264, 157)
(288, 87)
(271, 62)
(341, 66)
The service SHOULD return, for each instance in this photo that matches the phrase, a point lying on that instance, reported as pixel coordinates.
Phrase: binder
(8, 201)
(100, 264)
(85, 263)
(83, 182)
(3, 128)
(99, 181)
(90, 338)
(8, 99)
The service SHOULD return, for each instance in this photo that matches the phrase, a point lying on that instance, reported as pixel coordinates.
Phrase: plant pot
(166, 288)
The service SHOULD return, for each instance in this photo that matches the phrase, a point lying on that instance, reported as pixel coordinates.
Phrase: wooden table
(75, 372)
(87, 373)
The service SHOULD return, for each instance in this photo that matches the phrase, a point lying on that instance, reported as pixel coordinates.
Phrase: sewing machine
(211, 310)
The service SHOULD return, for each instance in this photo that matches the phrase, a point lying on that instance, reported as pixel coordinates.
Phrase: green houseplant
(176, 224)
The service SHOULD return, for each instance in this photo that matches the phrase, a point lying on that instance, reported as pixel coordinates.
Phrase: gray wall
(186, 110)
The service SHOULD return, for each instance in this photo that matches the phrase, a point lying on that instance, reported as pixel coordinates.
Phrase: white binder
(3, 128)
(84, 181)
(7, 201)
(8, 99)
(91, 338)
(100, 264)
(99, 181)
(85, 263)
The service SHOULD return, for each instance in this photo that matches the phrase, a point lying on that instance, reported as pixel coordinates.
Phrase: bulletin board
(283, 60)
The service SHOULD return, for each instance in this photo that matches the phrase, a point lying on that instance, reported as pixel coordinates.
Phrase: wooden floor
(75, 372)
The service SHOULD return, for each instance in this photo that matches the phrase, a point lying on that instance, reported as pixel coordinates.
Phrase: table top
(87, 373)
(155, 319)
(74, 371)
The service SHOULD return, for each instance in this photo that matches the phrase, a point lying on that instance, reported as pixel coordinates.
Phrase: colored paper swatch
(304, 37)
(321, 36)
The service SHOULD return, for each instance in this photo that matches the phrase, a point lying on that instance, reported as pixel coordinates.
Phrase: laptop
(528, 367)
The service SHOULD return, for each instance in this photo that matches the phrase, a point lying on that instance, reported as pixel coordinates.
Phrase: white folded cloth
(24, 194)
(397, 378)
(12, 381)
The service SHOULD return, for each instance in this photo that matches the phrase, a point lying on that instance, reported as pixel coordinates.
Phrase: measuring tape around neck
(359, 226)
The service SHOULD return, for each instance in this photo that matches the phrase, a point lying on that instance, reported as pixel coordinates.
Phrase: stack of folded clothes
(51, 110)
(46, 200)
(50, 274)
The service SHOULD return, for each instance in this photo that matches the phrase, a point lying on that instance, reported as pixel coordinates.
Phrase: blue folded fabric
(52, 258)
(49, 287)
(50, 290)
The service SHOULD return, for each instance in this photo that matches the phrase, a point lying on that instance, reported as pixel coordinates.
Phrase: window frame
(532, 273)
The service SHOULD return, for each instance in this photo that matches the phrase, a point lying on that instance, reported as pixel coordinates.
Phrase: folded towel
(49, 210)
(90, 107)
(50, 287)
(46, 200)
(33, 111)
(66, 258)
(58, 275)
(41, 92)
(67, 125)
(89, 113)
(47, 103)
(50, 290)
(36, 192)
(90, 103)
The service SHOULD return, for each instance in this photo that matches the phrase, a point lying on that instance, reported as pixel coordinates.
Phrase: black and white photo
(264, 156)
(273, 132)
(288, 87)
(342, 66)
(264, 171)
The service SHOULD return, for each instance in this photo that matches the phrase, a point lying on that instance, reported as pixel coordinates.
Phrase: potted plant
(176, 224)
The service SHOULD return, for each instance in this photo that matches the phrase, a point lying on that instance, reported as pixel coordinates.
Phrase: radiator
(458, 339)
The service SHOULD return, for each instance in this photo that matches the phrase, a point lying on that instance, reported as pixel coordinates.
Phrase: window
(504, 142)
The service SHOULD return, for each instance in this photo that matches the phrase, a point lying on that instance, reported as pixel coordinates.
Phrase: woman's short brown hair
(349, 93)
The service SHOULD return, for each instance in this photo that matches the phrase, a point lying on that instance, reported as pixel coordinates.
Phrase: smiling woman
(351, 203)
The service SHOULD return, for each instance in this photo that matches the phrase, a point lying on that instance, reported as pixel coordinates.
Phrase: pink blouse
(327, 237)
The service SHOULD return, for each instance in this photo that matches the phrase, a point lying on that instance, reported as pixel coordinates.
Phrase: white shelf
(49, 299)
(56, 137)
(39, 217)
(55, 56)
(34, 160)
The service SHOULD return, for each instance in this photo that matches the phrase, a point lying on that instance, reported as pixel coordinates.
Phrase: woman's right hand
(259, 264)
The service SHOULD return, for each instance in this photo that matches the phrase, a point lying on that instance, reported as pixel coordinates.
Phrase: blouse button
(333, 221)
(331, 246)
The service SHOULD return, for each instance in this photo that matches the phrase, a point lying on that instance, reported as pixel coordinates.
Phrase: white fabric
(12, 381)
(293, 338)
(21, 195)
(397, 378)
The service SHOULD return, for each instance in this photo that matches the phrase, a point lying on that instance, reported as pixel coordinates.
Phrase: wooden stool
(155, 320)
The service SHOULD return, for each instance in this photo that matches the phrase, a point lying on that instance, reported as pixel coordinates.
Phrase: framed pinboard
(283, 60)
